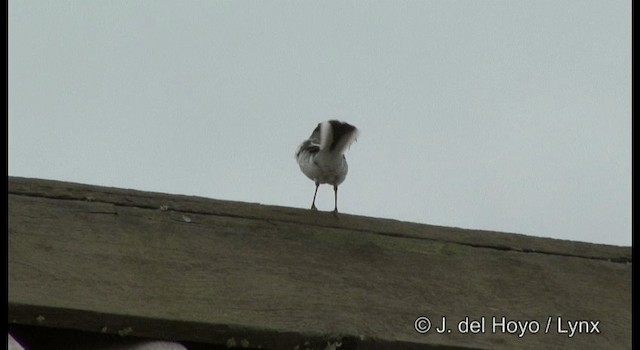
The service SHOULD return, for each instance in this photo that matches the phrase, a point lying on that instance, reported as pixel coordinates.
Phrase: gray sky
(501, 115)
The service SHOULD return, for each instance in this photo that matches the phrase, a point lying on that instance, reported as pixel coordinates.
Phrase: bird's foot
(313, 207)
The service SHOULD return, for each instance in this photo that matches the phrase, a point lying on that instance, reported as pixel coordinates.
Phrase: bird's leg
(335, 194)
(313, 204)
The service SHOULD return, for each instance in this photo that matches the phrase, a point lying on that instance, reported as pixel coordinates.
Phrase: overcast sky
(500, 115)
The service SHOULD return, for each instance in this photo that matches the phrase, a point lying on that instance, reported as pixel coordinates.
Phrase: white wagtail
(321, 156)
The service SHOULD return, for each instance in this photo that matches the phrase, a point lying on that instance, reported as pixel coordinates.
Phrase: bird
(321, 156)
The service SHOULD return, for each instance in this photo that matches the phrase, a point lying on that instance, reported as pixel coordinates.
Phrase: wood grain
(189, 268)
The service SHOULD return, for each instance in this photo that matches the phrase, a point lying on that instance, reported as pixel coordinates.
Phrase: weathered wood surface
(188, 268)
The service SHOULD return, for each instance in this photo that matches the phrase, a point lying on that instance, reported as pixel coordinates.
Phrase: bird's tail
(337, 136)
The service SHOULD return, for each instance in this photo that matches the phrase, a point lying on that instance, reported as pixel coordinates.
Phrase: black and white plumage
(321, 156)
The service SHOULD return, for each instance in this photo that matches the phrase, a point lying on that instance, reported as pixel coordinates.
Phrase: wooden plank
(186, 268)
(192, 204)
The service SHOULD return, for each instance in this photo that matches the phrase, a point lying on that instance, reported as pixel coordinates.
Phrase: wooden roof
(133, 263)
